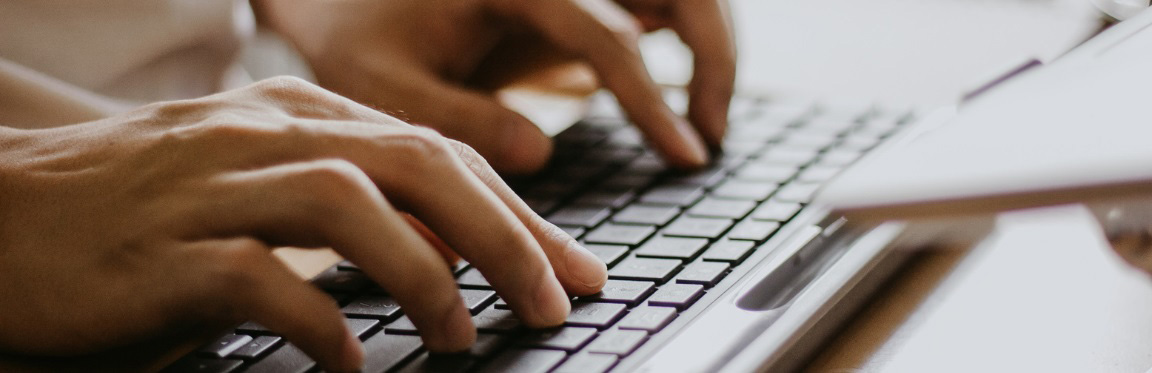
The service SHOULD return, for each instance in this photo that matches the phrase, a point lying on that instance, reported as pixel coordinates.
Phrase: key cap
(646, 214)
(524, 361)
(627, 182)
(672, 247)
(776, 173)
(385, 351)
(687, 226)
(610, 254)
(252, 327)
(573, 231)
(286, 359)
(728, 251)
(648, 318)
(619, 234)
(788, 156)
(613, 199)
(402, 325)
(460, 267)
(617, 342)
(679, 296)
(818, 174)
(487, 344)
(630, 293)
(476, 300)
(500, 304)
(540, 205)
(644, 269)
(335, 281)
(676, 195)
(453, 363)
(798, 192)
(776, 210)
(565, 338)
(721, 208)
(748, 190)
(256, 347)
(473, 279)
(596, 315)
(192, 364)
(380, 307)
(704, 178)
(345, 265)
(360, 327)
(587, 363)
(702, 273)
(225, 345)
(494, 320)
(581, 216)
(753, 230)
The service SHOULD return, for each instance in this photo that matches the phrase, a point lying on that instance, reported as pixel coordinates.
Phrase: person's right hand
(164, 217)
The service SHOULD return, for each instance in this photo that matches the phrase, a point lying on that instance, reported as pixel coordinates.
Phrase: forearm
(35, 100)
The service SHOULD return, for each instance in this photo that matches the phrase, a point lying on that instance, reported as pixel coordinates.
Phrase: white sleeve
(1122, 9)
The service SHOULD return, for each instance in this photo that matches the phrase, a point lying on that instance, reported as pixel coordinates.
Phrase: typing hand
(417, 57)
(162, 219)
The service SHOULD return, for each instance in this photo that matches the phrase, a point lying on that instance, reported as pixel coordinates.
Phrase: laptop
(752, 263)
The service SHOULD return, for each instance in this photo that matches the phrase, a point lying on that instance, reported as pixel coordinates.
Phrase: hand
(416, 58)
(163, 219)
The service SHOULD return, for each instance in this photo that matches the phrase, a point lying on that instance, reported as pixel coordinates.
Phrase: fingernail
(551, 304)
(586, 267)
(353, 360)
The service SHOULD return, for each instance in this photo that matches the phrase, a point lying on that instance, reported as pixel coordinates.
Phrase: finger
(429, 236)
(332, 202)
(579, 271)
(706, 27)
(263, 290)
(606, 36)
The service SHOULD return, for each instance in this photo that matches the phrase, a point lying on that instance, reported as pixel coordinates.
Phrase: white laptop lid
(1077, 130)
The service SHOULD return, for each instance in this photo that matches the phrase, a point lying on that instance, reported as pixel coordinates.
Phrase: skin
(162, 219)
(419, 59)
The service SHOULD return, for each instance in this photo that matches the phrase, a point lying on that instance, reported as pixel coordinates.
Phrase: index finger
(706, 27)
(605, 35)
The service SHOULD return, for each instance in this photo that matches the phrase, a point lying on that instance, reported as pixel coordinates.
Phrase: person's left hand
(416, 59)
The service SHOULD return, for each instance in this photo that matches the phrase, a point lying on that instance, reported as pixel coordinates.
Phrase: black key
(192, 364)
(587, 363)
(286, 359)
(566, 338)
(748, 190)
(402, 325)
(447, 363)
(476, 300)
(728, 251)
(596, 315)
(613, 199)
(798, 192)
(581, 216)
(630, 293)
(473, 279)
(648, 318)
(776, 173)
(645, 269)
(646, 214)
(627, 182)
(721, 208)
(500, 304)
(753, 230)
(540, 205)
(459, 267)
(257, 347)
(776, 210)
(677, 195)
(380, 307)
(610, 254)
(345, 265)
(611, 155)
(573, 231)
(487, 344)
(687, 226)
(617, 342)
(336, 281)
(672, 247)
(525, 361)
(225, 345)
(386, 351)
(252, 327)
(619, 234)
(704, 178)
(361, 327)
(679, 296)
(495, 320)
(702, 273)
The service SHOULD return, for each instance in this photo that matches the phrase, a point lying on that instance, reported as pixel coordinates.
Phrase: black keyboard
(669, 239)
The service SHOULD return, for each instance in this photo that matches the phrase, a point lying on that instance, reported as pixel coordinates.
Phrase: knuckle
(236, 263)
(284, 84)
(335, 176)
(421, 146)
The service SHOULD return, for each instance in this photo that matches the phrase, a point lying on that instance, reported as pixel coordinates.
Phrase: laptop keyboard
(668, 238)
